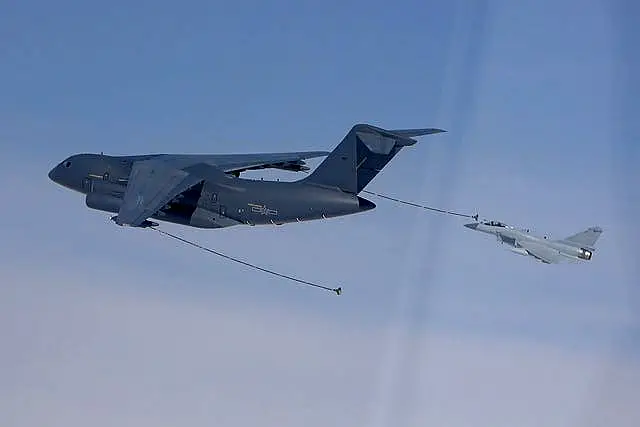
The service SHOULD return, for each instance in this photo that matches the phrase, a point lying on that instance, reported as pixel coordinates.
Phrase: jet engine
(103, 202)
(109, 203)
(585, 254)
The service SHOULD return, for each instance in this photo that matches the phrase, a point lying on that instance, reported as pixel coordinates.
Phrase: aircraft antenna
(337, 290)
(393, 199)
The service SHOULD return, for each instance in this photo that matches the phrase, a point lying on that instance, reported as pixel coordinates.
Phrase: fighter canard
(578, 247)
(206, 191)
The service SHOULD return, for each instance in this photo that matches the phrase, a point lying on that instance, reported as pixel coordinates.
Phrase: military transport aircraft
(574, 248)
(206, 190)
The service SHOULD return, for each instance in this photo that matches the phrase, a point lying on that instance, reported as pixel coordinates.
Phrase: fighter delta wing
(542, 253)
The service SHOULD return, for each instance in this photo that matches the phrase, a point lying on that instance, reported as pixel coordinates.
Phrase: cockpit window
(67, 164)
(494, 223)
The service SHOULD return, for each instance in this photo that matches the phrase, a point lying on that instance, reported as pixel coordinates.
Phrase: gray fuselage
(516, 239)
(217, 202)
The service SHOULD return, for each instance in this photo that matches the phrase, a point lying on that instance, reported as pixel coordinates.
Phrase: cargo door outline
(87, 185)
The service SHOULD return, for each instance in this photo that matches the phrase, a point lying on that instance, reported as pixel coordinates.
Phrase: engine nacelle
(108, 188)
(519, 251)
(103, 202)
(107, 203)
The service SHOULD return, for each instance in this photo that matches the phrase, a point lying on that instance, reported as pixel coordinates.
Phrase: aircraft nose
(52, 174)
(472, 225)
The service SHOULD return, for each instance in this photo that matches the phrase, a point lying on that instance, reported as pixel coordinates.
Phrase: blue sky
(121, 326)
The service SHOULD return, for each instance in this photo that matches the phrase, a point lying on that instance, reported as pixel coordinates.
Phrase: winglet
(403, 137)
(412, 133)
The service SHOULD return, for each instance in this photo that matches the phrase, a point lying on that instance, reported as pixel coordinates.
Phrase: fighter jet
(206, 190)
(575, 248)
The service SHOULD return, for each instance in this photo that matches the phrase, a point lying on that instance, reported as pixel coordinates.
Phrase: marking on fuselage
(262, 209)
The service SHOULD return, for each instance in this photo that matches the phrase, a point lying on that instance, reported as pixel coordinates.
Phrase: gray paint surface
(206, 191)
(577, 247)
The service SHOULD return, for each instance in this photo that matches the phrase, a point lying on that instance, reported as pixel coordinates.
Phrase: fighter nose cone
(472, 226)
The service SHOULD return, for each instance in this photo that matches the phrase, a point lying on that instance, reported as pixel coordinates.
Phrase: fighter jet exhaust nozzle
(585, 254)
